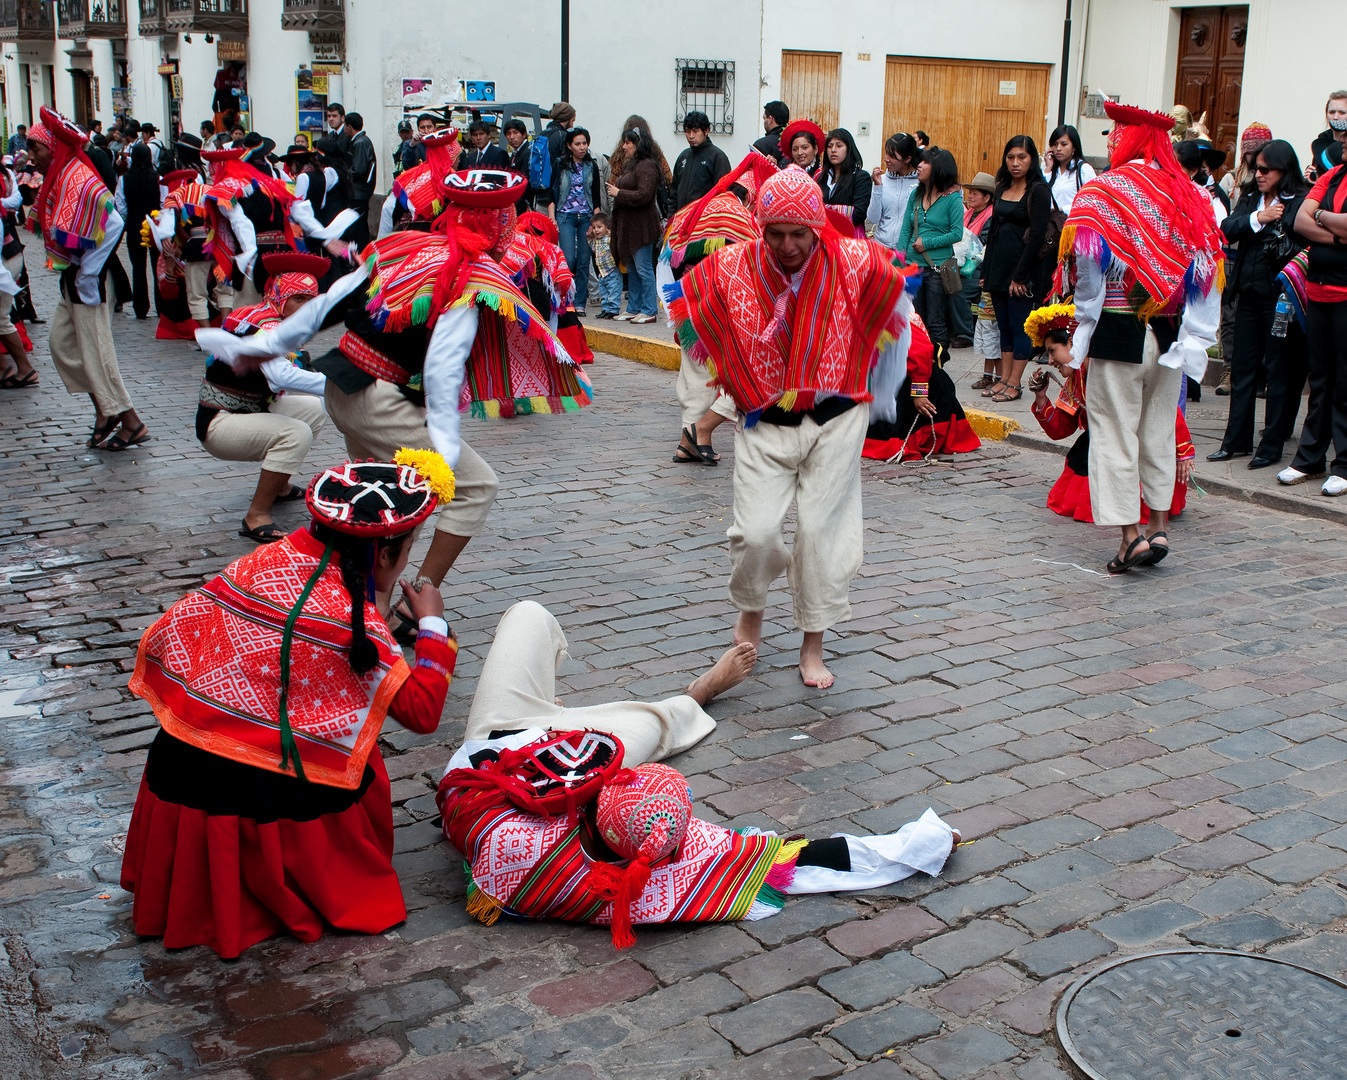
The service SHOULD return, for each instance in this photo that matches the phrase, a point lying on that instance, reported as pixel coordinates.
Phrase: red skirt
(1070, 497)
(954, 436)
(169, 330)
(228, 881)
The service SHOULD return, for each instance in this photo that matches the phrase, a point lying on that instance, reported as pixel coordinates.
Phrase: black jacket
(493, 157)
(364, 170)
(1260, 256)
(696, 172)
(519, 162)
(852, 192)
(770, 145)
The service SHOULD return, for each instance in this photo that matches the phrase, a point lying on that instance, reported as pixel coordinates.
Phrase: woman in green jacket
(933, 225)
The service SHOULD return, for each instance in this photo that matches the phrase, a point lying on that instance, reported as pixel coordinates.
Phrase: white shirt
(1065, 186)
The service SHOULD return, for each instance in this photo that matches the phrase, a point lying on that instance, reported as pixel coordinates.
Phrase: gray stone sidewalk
(1137, 762)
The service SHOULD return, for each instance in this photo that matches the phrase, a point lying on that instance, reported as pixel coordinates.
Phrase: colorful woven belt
(371, 361)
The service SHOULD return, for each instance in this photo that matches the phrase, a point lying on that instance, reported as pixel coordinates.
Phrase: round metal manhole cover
(1205, 1014)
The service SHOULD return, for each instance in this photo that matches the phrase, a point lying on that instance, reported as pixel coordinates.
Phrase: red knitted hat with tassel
(643, 815)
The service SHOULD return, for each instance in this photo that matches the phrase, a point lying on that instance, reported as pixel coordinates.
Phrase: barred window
(706, 86)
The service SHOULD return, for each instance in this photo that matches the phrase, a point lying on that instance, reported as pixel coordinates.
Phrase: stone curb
(990, 425)
(661, 354)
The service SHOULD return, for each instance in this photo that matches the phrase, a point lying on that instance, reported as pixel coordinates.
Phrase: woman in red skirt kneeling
(265, 804)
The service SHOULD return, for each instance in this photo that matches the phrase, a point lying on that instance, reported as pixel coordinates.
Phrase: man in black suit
(364, 175)
(775, 116)
(517, 136)
(483, 153)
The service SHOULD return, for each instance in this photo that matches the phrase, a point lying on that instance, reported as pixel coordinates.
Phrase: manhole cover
(1205, 1014)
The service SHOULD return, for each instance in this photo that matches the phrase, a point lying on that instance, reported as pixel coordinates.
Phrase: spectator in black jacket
(775, 116)
(415, 153)
(844, 181)
(364, 175)
(336, 128)
(1322, 156)
(701, 165)
(97, 152)
(517, 138)
(482, 153)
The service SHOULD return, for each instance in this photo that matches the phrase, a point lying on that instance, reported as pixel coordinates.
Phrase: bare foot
(958, 839)
(812, 670)
(748, 628)
(730, 670)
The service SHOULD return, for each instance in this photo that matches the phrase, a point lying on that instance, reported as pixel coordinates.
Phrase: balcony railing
(26, 20)
(313, 15)
(207, 17)
(151, 18)
(92, 18)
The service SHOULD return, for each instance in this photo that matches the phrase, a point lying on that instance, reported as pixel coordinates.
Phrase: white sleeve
(1089, 301)
(664, 277)
(165, 227)
(875, 861)
(246, 236)
(119, 197)
(301, 213)
(302, 186)
(886, 379)
(8, 285)
(1197, 334)
(386, 215)
(14, 199)
(332, 179)
(1254, 224)
(1087, 172)
(442, 377)
(91, 266)
(283, 375)
(288, 335)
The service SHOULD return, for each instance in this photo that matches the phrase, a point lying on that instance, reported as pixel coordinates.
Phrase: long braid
(364, 655)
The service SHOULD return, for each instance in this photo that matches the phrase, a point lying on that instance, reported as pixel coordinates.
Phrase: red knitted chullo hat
(643, 815)
(791, 197)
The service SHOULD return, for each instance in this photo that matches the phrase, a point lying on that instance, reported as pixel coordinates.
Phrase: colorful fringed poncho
(75, 213)
(525, 864)
(232, 182)
(768, 340)
(517, 366)
(532, 258)
(417, 194)
(723, 220)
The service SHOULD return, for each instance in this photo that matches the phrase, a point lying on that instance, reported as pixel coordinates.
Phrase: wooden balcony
(26, 20)
(92, 18)
(206, 17)
(152, 18)
(313, 15)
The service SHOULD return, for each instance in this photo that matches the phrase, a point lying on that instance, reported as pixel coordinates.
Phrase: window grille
(706, 86)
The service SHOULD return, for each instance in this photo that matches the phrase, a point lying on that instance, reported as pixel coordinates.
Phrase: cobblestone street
(1139, 762)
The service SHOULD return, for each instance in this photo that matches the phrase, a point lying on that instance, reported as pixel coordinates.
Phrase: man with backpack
(547, 151)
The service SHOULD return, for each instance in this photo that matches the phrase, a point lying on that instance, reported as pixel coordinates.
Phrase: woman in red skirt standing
(265, 805)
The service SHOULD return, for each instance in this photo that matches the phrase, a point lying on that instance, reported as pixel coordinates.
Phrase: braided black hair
(357, 556)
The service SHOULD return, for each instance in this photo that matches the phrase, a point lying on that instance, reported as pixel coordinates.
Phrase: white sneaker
(1335, 485)
(642, 320)
(626, 316)
(1291, 476)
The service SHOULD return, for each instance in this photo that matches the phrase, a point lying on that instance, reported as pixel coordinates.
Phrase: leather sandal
(1158, 550)
(268, 533)
(1129, 560)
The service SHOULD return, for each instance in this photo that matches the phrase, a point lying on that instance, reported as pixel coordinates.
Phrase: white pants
(279, 438)
(987, 339)
(1131, 409)
(197, 277)
(696, 397)
(517, 689)
(818, 469)
(81, 348)
(379, 420)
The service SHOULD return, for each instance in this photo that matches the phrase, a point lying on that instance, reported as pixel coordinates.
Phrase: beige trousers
(819, 469)
(198, 275)
(82, 350)
(246, 294)
(379, 420)
(1131, 410)
(279, 438)
(14, 264)
(696, 397)
(517, 689)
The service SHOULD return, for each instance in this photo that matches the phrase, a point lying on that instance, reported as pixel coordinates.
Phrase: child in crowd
(1050, 329)
(987, 341)
(605, 266)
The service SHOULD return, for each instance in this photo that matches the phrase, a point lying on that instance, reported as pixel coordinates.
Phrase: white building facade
(968, 72)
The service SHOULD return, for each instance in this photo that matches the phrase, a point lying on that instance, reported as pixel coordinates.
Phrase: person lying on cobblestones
(445, 331)
(265, 806)
(265, 410)
(791, 326)
(81, 228)
(560, 826)
(1050, 328)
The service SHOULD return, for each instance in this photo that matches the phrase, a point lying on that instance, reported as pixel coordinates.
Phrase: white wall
(1022, 31)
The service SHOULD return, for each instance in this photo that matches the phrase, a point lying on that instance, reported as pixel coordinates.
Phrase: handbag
(1052, 235)
(950, 279)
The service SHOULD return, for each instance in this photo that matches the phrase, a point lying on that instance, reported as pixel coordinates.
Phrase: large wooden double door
(1211, 69)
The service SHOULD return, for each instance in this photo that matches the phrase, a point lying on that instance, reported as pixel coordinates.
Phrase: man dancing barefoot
(791, 325)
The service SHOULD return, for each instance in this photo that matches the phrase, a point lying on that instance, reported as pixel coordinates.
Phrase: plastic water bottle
(1282, 319)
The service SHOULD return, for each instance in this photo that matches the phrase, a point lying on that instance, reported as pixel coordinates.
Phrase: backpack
(540, 164)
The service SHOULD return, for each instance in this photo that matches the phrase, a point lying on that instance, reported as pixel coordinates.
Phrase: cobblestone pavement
(1139, 762)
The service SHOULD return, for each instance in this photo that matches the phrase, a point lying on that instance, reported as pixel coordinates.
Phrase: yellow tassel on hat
(431, 468)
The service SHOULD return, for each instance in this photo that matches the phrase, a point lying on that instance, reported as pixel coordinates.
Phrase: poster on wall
(310, 101)
(417, 94)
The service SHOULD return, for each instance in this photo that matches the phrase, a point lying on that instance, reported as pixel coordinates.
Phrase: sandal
(293, 495)
(100, 434)
(1116, 566)
(991, 390)
(1158, 551)
(268, 533)
(117, 443)
(19, 382)
(703, 453)
(1005, 395)
(402, 625)
(983, 382)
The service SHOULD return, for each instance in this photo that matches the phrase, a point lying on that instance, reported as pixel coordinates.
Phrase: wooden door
(84, 98)
(809, 86)
(1211, 69)
(968, 107)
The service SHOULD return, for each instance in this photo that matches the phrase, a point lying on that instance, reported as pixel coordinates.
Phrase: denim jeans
(574, 244)
(641, 281)
(610, 291)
